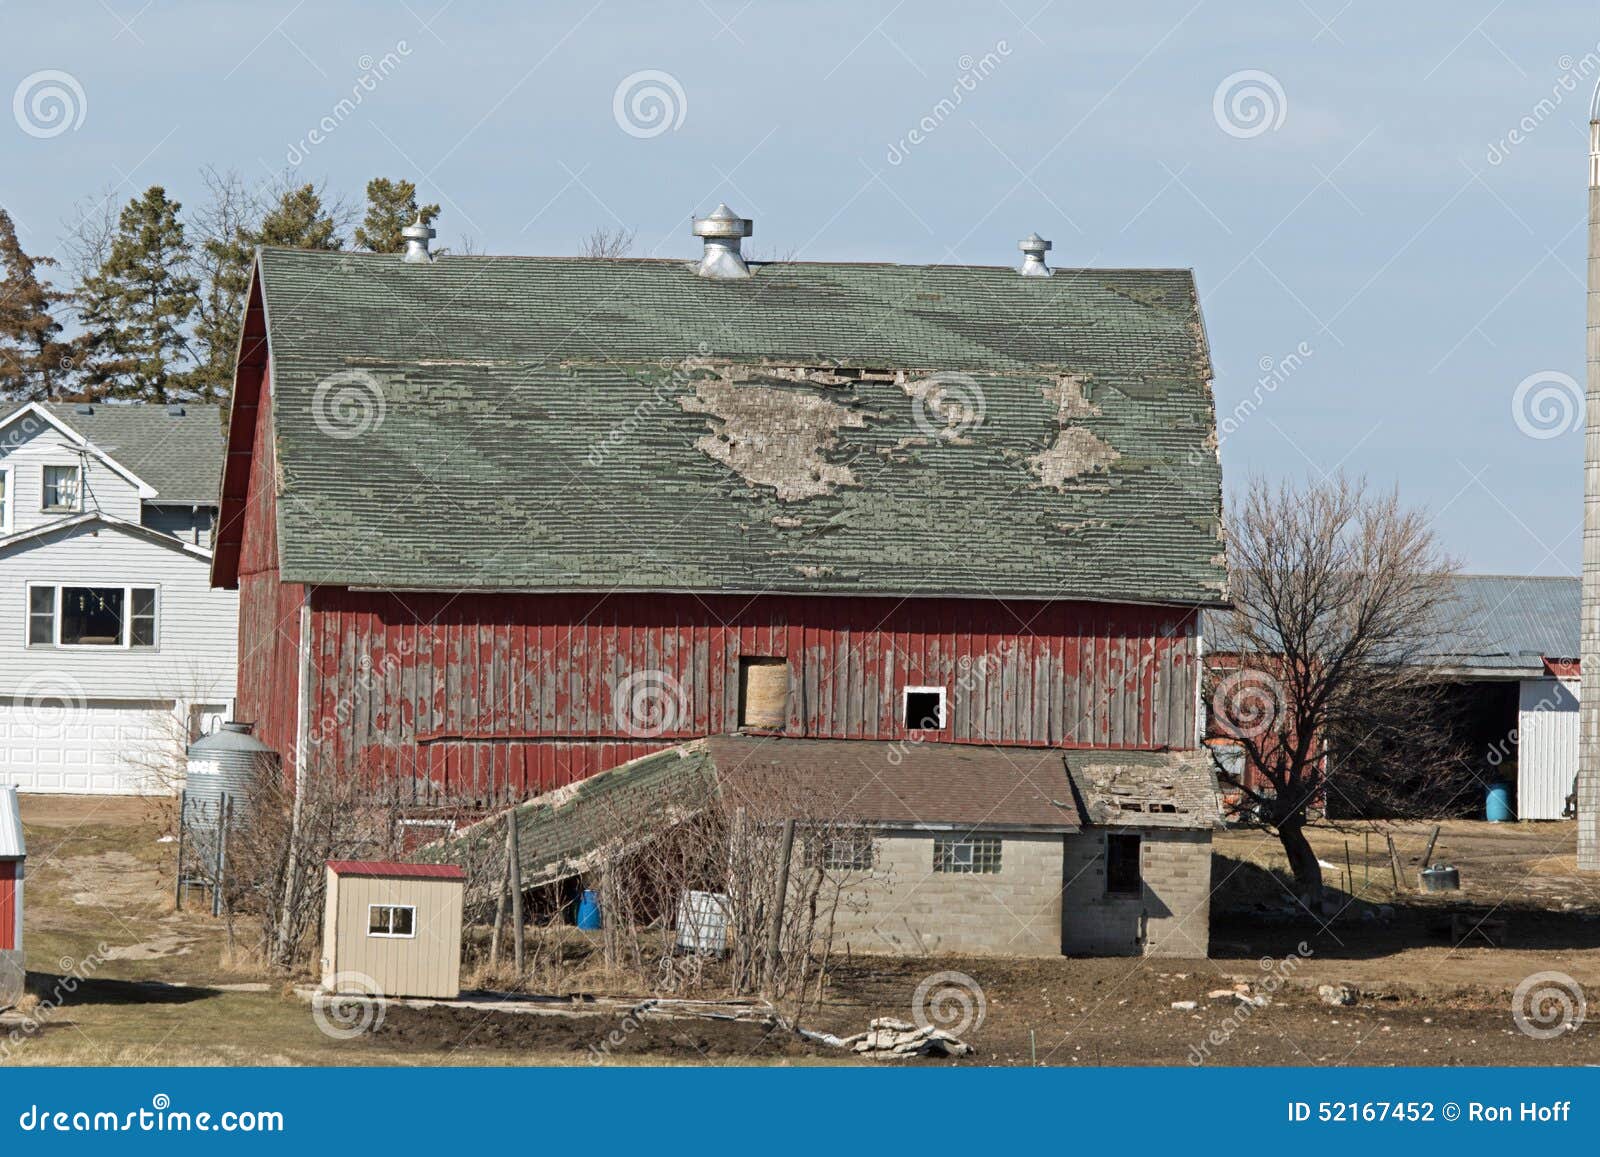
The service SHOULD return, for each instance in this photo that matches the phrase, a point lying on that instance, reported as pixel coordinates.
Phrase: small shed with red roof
(392, 929)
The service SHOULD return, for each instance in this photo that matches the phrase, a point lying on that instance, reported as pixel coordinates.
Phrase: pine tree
(297, 220)
(136, 307)
(391, 206)
(34, 364)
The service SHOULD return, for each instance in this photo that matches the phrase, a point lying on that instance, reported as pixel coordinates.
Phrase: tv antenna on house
(83, 450)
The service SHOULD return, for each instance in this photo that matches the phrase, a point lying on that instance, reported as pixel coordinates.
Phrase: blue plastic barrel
(589, 912)
(1497, 804)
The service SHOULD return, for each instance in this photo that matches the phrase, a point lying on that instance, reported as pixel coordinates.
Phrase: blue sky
(1371, 214)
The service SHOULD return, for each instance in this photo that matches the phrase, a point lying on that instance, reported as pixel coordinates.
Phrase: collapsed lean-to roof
(579, 424)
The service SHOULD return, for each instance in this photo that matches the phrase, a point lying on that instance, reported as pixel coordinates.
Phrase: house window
(1123, 877)
(5, 500)
(66, 616)
(841, 851)
(62, 488)
(391, 920)
(966, 854)
(923, 708)
(763, 693)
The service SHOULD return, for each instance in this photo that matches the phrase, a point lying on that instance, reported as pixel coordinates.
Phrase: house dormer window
(63, 489)
(5, 500)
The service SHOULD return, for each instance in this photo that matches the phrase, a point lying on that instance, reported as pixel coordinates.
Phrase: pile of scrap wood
(888, 1037)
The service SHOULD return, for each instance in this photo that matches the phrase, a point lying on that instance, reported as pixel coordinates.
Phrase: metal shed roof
(389, 869)
(12, 844)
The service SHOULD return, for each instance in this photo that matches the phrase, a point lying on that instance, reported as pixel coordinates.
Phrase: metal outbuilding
(13, 853)
(392, 929)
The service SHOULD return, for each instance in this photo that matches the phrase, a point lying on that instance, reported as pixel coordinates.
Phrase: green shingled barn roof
(588, 424)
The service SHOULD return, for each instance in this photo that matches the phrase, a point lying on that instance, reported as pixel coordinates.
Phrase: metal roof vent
(175, 410)
(1034, 247)
(83, 408)
(417, 235)
(722, 232)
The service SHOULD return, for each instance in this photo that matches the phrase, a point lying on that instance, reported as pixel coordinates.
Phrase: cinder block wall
(1173, 915)
(904, 906)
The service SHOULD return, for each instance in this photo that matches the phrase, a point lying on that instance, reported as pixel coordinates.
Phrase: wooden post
(1366, 860)
(1349, 872)
(499, 914)
(514, 869)
(775, 932)
(1394, 861)
(1427, 855)
(183, 823)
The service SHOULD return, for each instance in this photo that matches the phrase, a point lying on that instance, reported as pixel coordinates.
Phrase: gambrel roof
(592, 424)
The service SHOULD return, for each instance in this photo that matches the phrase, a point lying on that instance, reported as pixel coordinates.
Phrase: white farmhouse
(114, 648)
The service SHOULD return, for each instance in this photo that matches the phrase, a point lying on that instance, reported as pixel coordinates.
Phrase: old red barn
(502, 523)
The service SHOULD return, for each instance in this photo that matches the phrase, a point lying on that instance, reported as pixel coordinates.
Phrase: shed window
(841, 851)
(1123, 877)
(396, 920)
(967, 855)
(924, 708)
(62, 489)
(763, 693)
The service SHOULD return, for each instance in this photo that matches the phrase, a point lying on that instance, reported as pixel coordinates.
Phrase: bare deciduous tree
(1341, 596)
(605, 242)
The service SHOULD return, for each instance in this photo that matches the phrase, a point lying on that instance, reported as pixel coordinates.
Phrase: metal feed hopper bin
(393, 929)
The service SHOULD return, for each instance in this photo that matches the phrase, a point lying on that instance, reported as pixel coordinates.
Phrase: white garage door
(93, 747)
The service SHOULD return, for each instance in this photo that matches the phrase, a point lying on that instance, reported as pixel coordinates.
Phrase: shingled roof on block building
(1146, 789)
(586, 424)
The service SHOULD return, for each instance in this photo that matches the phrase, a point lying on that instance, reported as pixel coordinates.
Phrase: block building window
(1123, 876)
(923, 709)
(391, 920)
(966, 854)
(763, 693)
(847, 851)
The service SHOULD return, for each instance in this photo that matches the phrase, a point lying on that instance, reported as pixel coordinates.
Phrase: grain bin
(222, 771)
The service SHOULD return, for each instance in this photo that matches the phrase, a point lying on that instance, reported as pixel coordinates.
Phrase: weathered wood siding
(487, 694)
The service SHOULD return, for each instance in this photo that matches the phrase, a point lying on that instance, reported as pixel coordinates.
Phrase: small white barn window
(968, 854)
(922, 709)
(63, 490)
(393, 920)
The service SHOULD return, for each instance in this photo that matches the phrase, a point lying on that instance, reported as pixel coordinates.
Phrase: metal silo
(222, 771)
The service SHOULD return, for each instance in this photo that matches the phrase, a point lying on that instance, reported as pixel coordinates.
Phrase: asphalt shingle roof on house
(1496, 623)
(179, 454)
(580, 424)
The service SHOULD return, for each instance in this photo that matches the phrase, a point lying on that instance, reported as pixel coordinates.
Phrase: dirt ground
(124, 979)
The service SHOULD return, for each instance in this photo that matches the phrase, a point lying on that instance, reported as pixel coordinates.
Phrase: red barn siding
(483, 694)
(269, 610)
